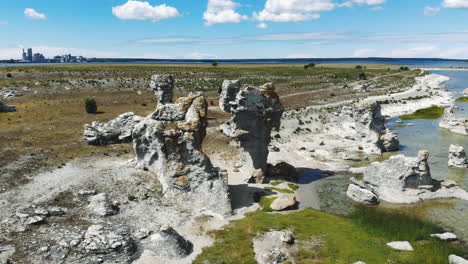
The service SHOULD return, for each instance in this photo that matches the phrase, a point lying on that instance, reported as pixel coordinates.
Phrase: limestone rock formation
(273, 247)
(465, 92)
(402, 180)
(4, 108)
(116, 131)
(445, 236)
(170, 244)
(454, 124)
(457, 157)
(283, 202)
(401, 245)
(361, 195)
(163, 88)
(100, 205)
(255, 112)
(168, 143)
(366, 126)
(10, 94)
(111, 242)
(454, 259)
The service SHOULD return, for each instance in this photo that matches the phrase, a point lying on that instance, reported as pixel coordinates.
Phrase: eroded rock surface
(101, 206)
(402, 179)
(273, 247)
(255, 112)
(170, 244)
(163, 88)
(4, 108)
(116, 131)
(366, 126)
(454, 124)
(454, 259)
(457, 157)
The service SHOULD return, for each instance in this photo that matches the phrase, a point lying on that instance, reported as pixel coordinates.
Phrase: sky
(241, 29)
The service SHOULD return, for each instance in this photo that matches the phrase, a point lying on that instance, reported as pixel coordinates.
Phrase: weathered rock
(401, 245)
(163, 87)
(6, 251)
(101, 205)
(255, 112)
(35, 220)
(10, 94)
(283, 202)
(454, 124)
(4, 108)
(447, 236)
(465, 92)
(403, 180)
(257, 177)
(169, 143)
(273, 247)
(283, 170)
(457, 157)
(359, 262)
(116, 131)
(454, 259)
(229, 92)
(170, 244)
(111, 242)
(361, 195)
(366, 126)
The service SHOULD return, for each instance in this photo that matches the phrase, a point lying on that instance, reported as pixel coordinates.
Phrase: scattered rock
(359, 262)
(86, 192)
(283, 202)
(454, 124)
(273, 247)
(163, 88)
(257, 177)
(445, 236)
(170, 244)
(4, 108)
(6, 251)
(255, 112)
(10, 94)
(465, 92)
(453, 259)
(112, 242)
(401, 245)
(366, 126)
(457, 157)
(116, 131)
(142, 234)
(35, 220)
(56, 211)
(101, 205)
(362, 195)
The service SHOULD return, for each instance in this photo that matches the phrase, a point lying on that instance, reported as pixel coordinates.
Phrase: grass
(463, 99)
(265, 203)
(279, 190)
(293, 186)
(275, 183)
(361, 237)
(432, 112)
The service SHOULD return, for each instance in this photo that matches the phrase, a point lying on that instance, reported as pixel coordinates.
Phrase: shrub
(9, 75)
(358, 67)
(404, 68)
(214, 63)
(362, 76)
(90, 106)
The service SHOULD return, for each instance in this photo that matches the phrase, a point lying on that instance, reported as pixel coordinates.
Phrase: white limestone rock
(10, 94)
(101, 206)
(454, 124)
(454, 259)
(401, 245)
(273, 247)
(283, 202)
(163, 88)
(361, 195)
(170, 244)
(465, 92)
(447, 236)
(457, 157)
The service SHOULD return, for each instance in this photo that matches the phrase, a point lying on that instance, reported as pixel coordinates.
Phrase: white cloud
(431, 11)
(377, 8)
(299, 36)
(363, 2)
(455, 3)
(301, 56)
(221, 12)
(293, 10)
(3, 22)
(364, 52)
(421, 51)
(33, 14)
(198, 56)
(140, 10)
(262, 25)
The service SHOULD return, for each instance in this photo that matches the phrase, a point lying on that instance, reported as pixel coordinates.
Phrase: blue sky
(236, 28)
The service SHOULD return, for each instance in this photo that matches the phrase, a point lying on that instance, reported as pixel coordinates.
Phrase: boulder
(457, 157)
(283, 202)
(401, 245)
(10, 94)
(283, 170)
(257, 177)
(100, 205)
(116, 131)
(163, 88)
(4, 108)
(361, 195)
(465, 92)
(402, 179)
(255, 112)
(273, 247)
(366, 126)
(454, 124)
(445, 236)
(454, 259)
(170, 244)
(110, 241)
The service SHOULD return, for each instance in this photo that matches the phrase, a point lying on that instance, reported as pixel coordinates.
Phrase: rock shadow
(243, 195)
(307, 175)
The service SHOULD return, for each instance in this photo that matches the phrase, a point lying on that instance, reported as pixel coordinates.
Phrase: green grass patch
(361, 237)
(265, 203)
(275, 183)
(293, 186)
(432, 112)
(463, 99)
(279, 190)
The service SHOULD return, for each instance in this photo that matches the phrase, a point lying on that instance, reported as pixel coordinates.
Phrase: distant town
(29, 56)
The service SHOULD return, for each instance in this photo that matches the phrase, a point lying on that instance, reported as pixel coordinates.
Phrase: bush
(214, 63)
(362, 76)
(9, 75)
(310, 65)
(404, 68)
(90, 106)
(358, 67)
